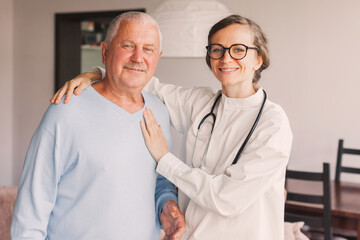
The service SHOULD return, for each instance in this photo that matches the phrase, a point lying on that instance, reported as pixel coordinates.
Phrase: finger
(151, 123)
(70, 89)
(174, 210)
(144, 131)
(147, 120)
(178, 234)
(151, 116)
(61, 93)
(176, 237)
(54, 97)
(80, 88)
(174, 214)
(73, 84)
(58, 97)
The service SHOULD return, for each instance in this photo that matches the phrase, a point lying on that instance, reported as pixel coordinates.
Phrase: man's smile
(135, 69)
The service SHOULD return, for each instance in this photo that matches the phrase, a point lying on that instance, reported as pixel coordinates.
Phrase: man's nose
(138, 55)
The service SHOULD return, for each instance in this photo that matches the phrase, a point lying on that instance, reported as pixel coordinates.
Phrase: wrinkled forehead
(139, 31)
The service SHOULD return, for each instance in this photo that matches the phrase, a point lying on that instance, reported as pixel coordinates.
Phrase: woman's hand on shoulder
(75, 85)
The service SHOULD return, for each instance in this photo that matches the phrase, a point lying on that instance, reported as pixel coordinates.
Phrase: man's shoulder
(153, 101)
(63, 111)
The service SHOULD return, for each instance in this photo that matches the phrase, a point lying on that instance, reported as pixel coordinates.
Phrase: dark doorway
(69, 38)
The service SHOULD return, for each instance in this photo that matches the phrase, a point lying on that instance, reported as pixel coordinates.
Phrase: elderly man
(87, 173)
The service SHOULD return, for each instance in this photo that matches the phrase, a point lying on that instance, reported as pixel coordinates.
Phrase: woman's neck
(239, 91)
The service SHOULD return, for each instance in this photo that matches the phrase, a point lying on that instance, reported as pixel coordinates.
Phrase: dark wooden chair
(322, 221)
(339, 166)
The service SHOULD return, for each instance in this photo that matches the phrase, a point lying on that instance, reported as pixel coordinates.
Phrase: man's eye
(128, 46)
(149, 50)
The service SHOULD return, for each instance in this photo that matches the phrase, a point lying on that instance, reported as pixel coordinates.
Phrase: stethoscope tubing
(251, 130)
(211, 113)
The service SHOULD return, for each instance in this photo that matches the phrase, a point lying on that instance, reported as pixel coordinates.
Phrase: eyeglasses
(236, 51)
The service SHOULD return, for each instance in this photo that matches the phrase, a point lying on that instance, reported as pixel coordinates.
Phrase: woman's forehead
(234, 33)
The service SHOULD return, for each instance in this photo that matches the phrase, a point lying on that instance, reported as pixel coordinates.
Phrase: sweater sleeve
(262, 164)
(37, 190)
(165, 191)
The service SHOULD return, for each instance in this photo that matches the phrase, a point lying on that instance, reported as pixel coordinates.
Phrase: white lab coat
(225, 201)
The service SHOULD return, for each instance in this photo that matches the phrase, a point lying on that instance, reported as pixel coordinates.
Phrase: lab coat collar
(254, 100)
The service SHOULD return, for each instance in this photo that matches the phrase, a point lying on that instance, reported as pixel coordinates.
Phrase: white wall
(6, 91)
(315, 49)
(313, 74)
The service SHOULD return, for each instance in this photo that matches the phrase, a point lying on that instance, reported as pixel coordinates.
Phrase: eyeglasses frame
(236, 44)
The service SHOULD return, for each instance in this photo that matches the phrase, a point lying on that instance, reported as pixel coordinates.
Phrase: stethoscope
(212, 115)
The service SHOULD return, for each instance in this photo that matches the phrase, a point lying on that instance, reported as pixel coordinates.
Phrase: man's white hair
(135, 17)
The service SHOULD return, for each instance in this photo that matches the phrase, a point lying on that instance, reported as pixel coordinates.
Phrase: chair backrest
(323, 221)
(339, 166)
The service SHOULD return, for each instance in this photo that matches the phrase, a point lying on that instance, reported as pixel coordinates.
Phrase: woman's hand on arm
(75, 85)
(154, 136)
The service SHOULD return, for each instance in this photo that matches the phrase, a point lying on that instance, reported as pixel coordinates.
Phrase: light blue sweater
(88, 174)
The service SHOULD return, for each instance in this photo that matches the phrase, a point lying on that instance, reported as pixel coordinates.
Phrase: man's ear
(103, 46)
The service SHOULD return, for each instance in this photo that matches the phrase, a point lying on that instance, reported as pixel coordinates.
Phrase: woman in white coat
(227, 189)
